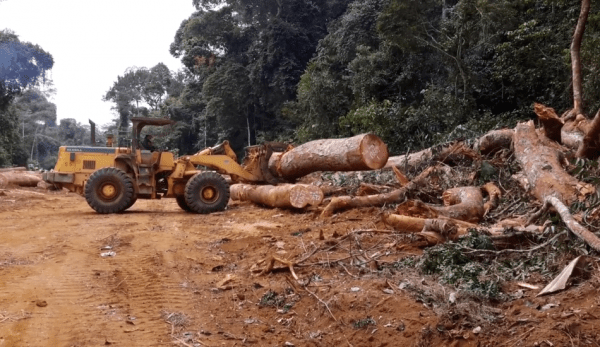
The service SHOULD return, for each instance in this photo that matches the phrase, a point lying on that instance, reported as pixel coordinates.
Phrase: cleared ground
(192, 280)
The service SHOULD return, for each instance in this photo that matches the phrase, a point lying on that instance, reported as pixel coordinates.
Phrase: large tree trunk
(542, 167)
(20, 178)
(282, 196)
(453, 152)
(575, 58)
(8, 169)
(361, 152)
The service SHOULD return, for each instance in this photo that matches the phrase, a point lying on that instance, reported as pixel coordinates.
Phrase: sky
(93, 42)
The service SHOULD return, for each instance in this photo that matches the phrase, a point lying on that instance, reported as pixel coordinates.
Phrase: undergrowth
(481, 275)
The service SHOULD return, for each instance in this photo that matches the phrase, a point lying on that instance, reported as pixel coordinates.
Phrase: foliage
(363, 323)
(455, 268)
(271, 299)
(23, 65)
(143, 92)
(246, 58)
(421, 72)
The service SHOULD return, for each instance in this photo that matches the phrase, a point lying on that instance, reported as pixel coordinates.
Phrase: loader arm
(223, 164)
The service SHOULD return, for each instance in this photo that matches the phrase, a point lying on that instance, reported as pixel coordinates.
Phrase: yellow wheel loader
(112, 178)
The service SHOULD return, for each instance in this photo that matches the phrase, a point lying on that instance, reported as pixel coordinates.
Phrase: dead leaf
(560, 282)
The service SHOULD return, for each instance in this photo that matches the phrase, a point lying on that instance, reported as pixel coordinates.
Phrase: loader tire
(109, 190)
(207, 192)
(181, 202)
(133, 200)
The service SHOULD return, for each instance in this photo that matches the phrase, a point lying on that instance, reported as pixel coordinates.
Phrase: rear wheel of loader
(207, 192)
(181, 202)
(109, 190)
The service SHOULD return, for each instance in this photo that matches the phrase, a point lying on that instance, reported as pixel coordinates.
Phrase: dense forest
(415, 73)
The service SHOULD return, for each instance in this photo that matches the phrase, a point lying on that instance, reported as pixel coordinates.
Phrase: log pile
(542, 155)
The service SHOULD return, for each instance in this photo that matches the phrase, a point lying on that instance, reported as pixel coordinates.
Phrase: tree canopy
(23, 65)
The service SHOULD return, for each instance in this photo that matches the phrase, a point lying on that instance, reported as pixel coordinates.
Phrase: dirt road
(177, 278)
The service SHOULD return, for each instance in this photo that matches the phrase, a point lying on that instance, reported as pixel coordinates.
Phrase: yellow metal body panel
(83, 161)
(166, 162)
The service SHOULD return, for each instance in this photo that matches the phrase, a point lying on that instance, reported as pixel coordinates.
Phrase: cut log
(361, 152)
(395, 196)
(542, 167)
(462, 203)
(494, 195)
(435, 230)
(494, 141)
(20, 178)
(282, 196)
(8, 169)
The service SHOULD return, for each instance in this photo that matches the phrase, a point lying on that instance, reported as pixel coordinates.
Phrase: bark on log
(454, 152)
(494, 195)
(371, 189)
(588, 237)
(435, 230)
(572, 133)
(462, 203)
(396, 196)
(361, 152)
(550, 121)
(590, 144)
(9, 169)
(494, 141)
(542, 167)
(282, 196)
(20, 178)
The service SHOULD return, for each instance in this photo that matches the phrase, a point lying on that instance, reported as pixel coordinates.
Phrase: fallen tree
(542, 166)
(395, 196)
(282, 196)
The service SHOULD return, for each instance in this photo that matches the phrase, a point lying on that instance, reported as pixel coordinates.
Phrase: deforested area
(301, 173)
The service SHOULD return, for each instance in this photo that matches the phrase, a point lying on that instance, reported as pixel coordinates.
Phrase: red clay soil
(180, 279)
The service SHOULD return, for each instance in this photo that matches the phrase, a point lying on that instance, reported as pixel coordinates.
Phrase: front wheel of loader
(133, 200)
(109, 190)
(207, 192)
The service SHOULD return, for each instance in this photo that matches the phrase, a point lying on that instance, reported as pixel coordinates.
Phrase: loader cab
(138, 123)
(148, 164)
